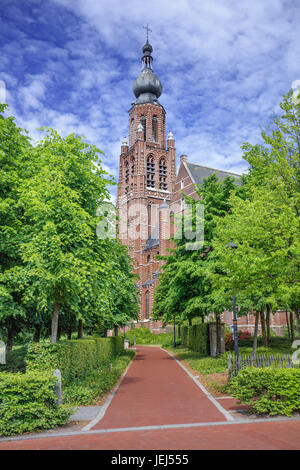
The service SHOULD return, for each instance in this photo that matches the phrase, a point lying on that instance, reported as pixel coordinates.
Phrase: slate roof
(153, 239)
(200, 172)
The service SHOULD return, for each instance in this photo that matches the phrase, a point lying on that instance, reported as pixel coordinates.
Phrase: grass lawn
(213, 372)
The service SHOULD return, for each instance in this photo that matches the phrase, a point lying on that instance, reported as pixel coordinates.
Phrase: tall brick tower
(146, 180)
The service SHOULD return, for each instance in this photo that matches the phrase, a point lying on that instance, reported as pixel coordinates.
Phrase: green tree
(64, 261)
(184, 289)
(14, 146)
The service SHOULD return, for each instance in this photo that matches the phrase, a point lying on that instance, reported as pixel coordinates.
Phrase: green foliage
(196, 338)
(144, 336)
(28, 403)
(272, 391)
(76, 359)
(88, 390)
(184, 289)
(15, 360)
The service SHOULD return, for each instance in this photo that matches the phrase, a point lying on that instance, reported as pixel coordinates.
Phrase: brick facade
(149, 190)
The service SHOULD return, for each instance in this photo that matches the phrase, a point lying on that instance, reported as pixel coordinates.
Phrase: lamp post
(233, 246)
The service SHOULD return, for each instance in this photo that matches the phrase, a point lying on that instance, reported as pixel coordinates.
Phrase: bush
(143, 335)
(242, 336)
(87, 391)
(272, 391)
(76, 359)
(15, 360)
(28, 403)
(196, 338)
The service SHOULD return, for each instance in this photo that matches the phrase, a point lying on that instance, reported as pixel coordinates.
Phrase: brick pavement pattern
(157, 391)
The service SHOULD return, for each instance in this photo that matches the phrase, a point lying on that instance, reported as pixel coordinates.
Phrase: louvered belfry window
(126, 172)
(143, 122)
(163, 174)
(154, 129)
(150, 172)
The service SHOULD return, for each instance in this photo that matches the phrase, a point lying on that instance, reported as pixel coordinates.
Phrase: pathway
(159, 406)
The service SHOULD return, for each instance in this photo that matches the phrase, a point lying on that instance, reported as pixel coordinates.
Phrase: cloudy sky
(224, 65)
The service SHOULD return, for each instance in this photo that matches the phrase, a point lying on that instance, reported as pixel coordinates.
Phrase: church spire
(147, 87)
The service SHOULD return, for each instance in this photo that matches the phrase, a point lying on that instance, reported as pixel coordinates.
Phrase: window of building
(182, 184)
(126, 172)
(147, 305)
(132, 166)
(154, 129)
(144, 122)
(150, 172)
(163, 174)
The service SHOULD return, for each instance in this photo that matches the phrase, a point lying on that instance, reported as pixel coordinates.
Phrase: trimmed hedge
(28, 403)
(143, 335)
(196, 338)
(75, 358)
(272, 391)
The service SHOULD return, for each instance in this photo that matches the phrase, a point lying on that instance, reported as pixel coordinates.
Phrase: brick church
(150, 187)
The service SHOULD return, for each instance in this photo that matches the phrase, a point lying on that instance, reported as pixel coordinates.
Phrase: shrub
(28, 403)
(196, 338)
(143, 335)
(242, 336)
(87, 391)
(76, 359)
(272, 391)
(15, 360)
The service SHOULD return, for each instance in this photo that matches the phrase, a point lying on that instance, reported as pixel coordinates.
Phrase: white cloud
(223, 64)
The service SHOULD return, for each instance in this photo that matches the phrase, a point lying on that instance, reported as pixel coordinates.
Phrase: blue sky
(224, 65)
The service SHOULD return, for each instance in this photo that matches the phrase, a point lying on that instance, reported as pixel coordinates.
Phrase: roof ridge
(216, 169)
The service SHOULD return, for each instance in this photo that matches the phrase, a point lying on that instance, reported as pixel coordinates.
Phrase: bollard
(58, 392)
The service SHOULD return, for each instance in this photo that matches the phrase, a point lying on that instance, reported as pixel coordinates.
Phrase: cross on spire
(147, 29)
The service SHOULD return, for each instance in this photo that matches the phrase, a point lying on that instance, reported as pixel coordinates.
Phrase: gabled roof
(199, 172)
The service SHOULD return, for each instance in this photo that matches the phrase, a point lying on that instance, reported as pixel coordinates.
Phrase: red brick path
(157, 391)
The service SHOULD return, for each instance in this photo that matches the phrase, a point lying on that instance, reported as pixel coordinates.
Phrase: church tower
(146, 181)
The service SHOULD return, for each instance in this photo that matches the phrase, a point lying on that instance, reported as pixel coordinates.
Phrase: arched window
(163, 174)
(143, 122)
(132, 166)
(154, 129)
(150, 172)
(126, 172)
(147, 304)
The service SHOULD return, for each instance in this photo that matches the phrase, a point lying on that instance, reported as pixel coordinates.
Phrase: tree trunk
(70, 332)
(263, 328)
(292, 327)
(80, 329)
(255, 336)
(218, 334)
(37, 333)
(268, 320)
(11, 332)
(288, 325)
(54, 323)
(116, 330)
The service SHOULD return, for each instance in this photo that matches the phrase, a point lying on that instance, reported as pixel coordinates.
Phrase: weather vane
(147, 29)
